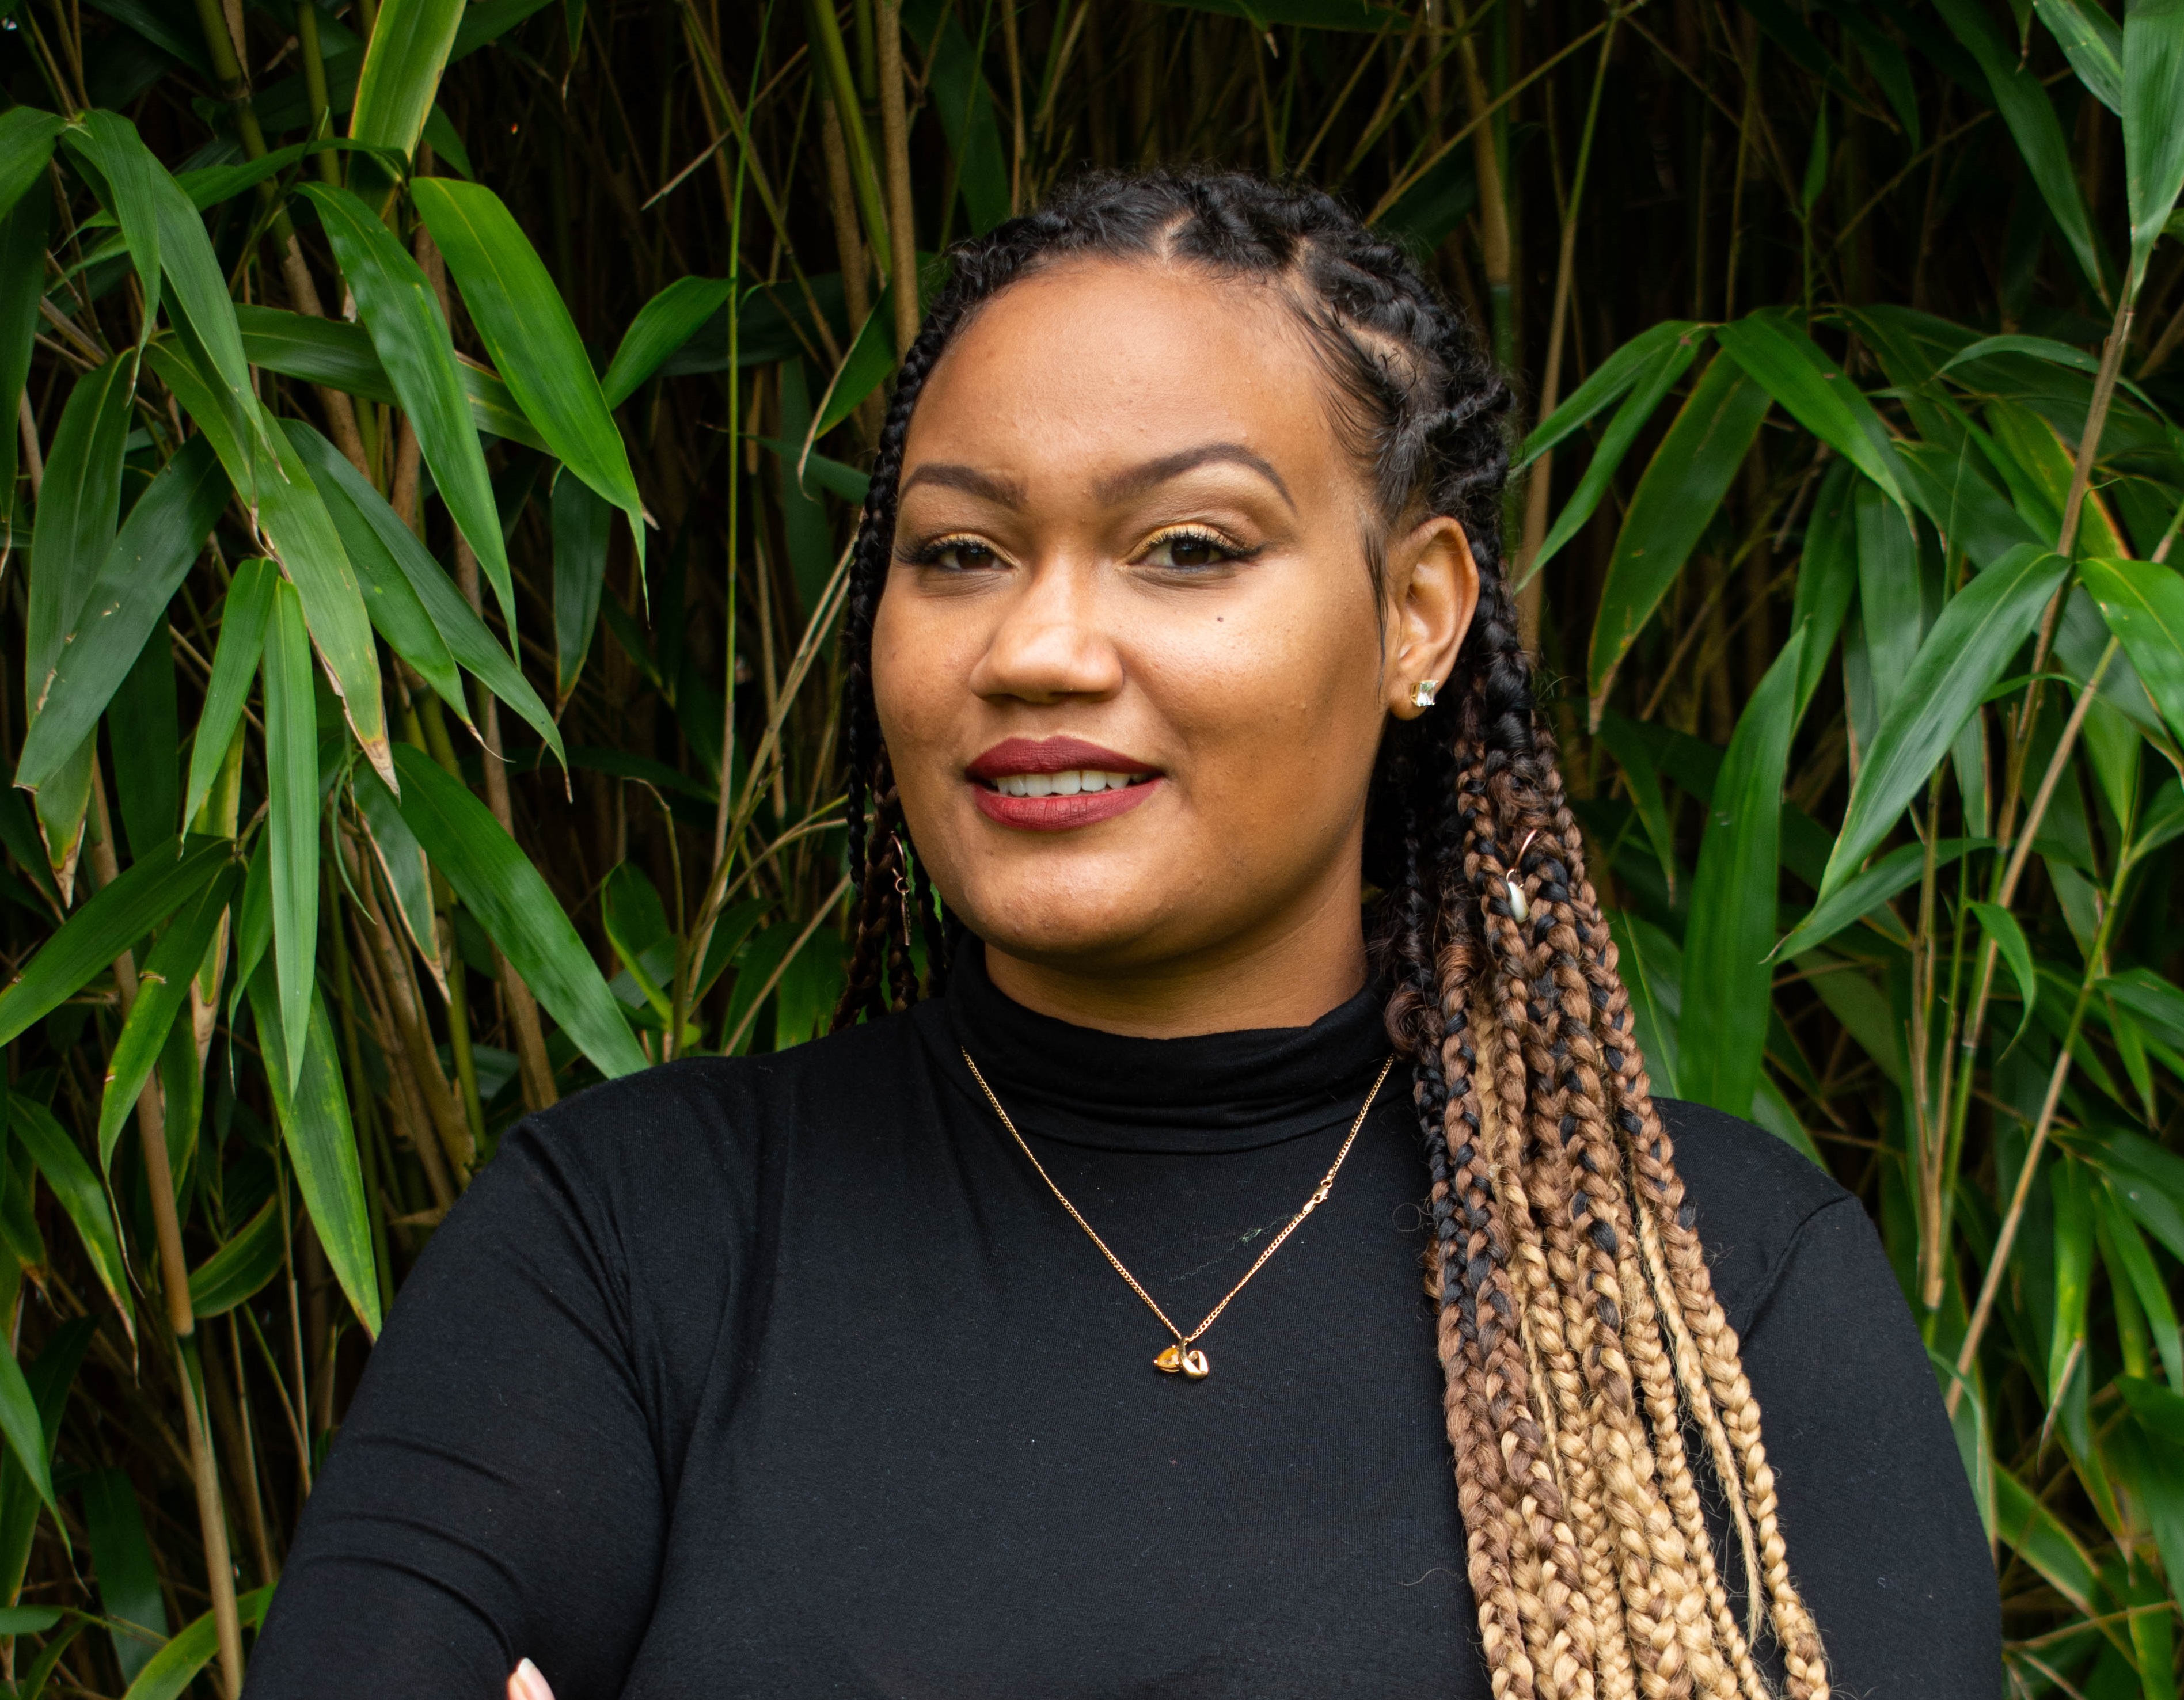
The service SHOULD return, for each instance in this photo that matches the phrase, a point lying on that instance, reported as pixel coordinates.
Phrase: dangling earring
(1422, 693)
(1519, 910)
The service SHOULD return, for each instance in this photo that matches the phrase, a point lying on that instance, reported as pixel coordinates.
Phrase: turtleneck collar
(1207, 1092)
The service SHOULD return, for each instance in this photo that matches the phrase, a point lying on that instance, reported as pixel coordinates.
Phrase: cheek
(919, 692)
(1287, 692)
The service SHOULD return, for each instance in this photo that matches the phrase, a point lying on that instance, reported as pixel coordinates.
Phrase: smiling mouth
(1056, 784)
(1070, 782)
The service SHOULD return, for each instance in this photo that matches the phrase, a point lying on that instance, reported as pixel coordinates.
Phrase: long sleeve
(494, 1492)
(1884, 1540)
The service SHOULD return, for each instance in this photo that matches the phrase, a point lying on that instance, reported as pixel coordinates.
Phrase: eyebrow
(1007, 492)
(1003, 492)
(1139, 478)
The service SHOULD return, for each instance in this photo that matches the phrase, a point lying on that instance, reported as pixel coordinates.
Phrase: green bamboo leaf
(1865, 892)
(662, 325)
(239, 1269)
(2149, 1180)
(636, 923)
(1653, 384)
(1895, 606)
(518, 315)
(296, 523)
(465, 636)
(114, 919)
(331, 351)
(80, 1195)
(1643, 782)
(129, 172)
(2143, 603)
(22, 288)
(129, 1592)
(1653, 968)
(498, 885)
(1608, 383)
(163, 992)
(388, 596)
(407, 874)
(966, 107)
(410, 334)
(863, 369)
(2163, 822)
(127, 602)
(28, 1620)
(77, 522)
(2092, 42)
(26, 143)
(1963, 656)
(2070, 1185)
(210, 185)
(2002, 928)
(1726, 978)
(1827, 574)
(2152, 135)
(1816, 393)
(241, 636)
(580, 569)
(169, 1673)
(2025, 109)
(185, 254)
(2131, 1262)
(321, 1144)
(1675, 500)
(50, 1376)
(291, 826)
(340, 355)
(2042, 1541)
(409, 50)
(25, 1431)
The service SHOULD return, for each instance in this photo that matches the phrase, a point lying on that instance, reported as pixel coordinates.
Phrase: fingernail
(529, 1684)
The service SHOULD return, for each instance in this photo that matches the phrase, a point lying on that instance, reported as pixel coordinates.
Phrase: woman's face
(1129, 661)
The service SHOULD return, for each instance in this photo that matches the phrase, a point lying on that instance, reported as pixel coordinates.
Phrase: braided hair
(1578, 1331)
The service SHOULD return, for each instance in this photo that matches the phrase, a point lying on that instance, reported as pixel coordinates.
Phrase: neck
(1289, 976)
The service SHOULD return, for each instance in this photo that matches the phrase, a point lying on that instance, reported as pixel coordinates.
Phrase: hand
(525, 1683)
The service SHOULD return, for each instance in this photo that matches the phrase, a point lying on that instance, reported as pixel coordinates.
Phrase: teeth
(1075, 782)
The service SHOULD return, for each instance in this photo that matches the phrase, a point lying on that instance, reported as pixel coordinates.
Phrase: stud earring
(1422, 693)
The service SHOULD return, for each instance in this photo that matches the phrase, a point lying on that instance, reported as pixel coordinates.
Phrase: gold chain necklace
(1183, 1356)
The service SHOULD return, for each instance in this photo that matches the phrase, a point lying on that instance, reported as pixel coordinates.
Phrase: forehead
(1088, 360)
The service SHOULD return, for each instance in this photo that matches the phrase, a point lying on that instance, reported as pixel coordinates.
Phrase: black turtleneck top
(786, 1376)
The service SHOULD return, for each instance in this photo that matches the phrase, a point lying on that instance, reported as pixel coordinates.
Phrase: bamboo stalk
(894, 137)
(1529, 590)
(234, 81)
(174, 1288)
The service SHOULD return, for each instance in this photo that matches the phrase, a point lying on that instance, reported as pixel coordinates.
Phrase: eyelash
(928, 554)
(1227, 552)
(931, 553)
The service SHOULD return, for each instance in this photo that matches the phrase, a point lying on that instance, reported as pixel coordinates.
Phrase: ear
(1432, 594)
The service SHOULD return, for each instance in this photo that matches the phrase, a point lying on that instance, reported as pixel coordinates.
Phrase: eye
(1189, 550)
(954, 555)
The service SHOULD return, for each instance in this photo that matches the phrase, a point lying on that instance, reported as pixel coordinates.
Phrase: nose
(1048, 642)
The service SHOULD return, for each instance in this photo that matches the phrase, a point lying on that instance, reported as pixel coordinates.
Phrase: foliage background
(399, 386)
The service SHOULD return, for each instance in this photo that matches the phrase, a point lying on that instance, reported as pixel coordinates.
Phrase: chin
(1076, 923)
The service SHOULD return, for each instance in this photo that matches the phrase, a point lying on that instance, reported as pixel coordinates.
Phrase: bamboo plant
(433, 434)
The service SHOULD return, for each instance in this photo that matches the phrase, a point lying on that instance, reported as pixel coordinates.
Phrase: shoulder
(1753, 1196)
(679, 1122)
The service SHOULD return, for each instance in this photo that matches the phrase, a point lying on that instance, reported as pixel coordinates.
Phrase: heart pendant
(1189, 1362)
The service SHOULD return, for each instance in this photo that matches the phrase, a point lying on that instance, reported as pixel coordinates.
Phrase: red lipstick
(1027, 757)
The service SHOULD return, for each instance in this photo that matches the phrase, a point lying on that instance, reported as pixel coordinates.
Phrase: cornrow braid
(1578, 1331)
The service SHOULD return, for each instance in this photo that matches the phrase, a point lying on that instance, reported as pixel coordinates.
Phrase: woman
(869, 1368)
